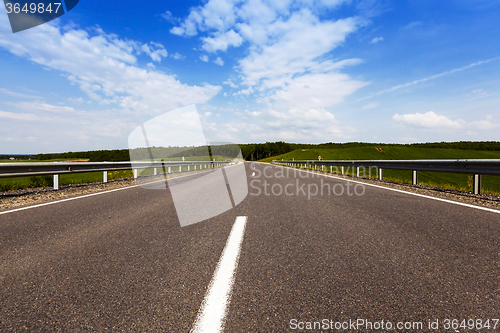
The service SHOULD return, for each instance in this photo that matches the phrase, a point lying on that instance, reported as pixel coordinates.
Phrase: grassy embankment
(76, 178)
(463, 182)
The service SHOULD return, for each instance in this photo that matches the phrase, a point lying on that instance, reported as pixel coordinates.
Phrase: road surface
(121, 262)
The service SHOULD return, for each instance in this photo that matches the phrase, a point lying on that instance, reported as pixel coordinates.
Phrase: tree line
(17, 157)
(250, 152)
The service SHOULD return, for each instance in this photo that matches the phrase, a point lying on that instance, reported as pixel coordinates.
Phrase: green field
(463, 182)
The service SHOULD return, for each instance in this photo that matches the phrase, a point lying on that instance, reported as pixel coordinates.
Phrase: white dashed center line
(212, 314)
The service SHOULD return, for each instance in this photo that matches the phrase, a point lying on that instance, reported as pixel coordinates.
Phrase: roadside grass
(462, 182)
(7, 184)
(16, 183)
(52, 160)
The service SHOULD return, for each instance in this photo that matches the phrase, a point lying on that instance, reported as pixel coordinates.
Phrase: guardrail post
(342, 170)
(56, 182)
(104, 176)
(331, 169)
(476, 185)
(380, 174)
(169, 170)
(322, 168)
(155, 172)
(135, 173)
(180, 168)
(357, 172)
(188, 167)
(414, 177)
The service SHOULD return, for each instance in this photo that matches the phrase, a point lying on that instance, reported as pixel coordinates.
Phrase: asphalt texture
(121, 262)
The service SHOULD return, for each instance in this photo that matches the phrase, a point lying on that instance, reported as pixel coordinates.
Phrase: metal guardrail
(9, 170)
(476, 167)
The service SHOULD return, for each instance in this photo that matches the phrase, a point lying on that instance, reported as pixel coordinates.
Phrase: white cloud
(169, 17)
(433, 77)
(288, 47)
(16, 94)
(312, 118)
(104, 67)
(484, 124)
(246, 92)
(480, 93)
(315, 90)
(222, 15)
(376, 40)
(431, 120)
(60, 128)
(413, 25)
(18, 116)
(219, 61)
(230, 83)
(287, 65)
(178, 56)
(294, 46)
(44, 107)
(369, 106)
(215, 14)
(312, 125)
(428, 120)
(204, 58)
(75, 100)
(252, 114)
(154, 54)
(222, 41)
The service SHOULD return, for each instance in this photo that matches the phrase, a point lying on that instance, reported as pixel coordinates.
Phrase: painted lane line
(212, 314)
(90, 195)
(400, 191)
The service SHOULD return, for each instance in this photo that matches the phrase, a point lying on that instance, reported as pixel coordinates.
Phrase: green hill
(490, 184)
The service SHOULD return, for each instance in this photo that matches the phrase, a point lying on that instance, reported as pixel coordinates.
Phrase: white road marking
(401, 191)
(88, 195)
(212, 314)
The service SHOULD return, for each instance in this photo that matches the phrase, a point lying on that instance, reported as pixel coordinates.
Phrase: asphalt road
(121, 262)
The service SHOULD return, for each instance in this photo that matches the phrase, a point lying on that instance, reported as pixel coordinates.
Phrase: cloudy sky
(257, 70)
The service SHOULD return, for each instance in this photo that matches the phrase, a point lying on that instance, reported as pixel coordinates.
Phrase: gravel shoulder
(483, 200)
(33, 196)
(38, 195)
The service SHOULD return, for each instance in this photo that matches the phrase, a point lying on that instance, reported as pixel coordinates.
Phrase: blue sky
(258, 70)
